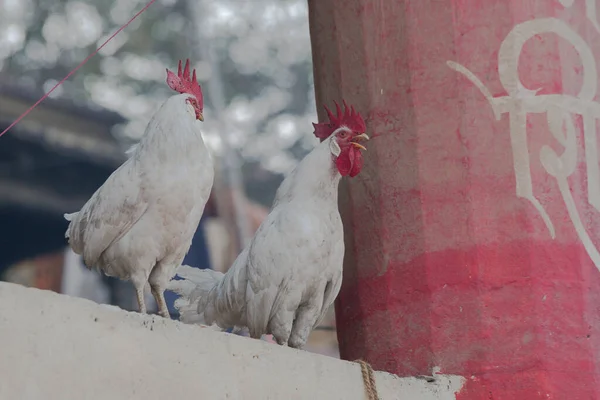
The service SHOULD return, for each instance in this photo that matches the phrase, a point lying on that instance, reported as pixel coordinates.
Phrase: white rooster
(139, 224)
(284, 281)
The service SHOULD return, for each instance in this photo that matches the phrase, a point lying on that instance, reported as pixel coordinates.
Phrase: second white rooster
(139, 224)
(284, 281)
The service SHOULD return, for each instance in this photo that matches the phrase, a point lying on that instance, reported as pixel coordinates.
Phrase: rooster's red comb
(183, 84)
(349, 118)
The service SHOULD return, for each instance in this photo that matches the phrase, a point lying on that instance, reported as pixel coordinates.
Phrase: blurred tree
(262, 51)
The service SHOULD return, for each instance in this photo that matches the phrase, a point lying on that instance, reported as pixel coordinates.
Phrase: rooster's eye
(343, 134)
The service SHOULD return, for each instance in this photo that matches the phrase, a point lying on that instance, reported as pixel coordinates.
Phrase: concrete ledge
(58, 347)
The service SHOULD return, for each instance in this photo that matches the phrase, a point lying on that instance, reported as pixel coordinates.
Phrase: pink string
(76, 68)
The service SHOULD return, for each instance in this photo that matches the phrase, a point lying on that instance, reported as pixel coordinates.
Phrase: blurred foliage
(261, 48)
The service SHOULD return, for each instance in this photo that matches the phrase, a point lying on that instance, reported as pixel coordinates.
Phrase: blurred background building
(254, 62)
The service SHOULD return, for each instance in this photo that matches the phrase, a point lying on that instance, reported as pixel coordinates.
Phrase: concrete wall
(57, 347)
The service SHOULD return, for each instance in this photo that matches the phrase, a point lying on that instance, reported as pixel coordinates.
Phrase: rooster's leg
(140, 298)
(159, 279)
(302, 327)
(159, 296)
(306, 318)
(139, 279)
(281, 323)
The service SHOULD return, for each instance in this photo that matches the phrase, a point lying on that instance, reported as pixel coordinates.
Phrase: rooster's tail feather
(194, 290)
(129, 152)
(69, 217)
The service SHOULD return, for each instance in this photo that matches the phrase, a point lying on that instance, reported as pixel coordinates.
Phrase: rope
(368, 380)
(76, 68)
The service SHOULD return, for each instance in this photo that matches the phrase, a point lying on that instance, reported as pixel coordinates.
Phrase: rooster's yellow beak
(200, 117)
(358, 139)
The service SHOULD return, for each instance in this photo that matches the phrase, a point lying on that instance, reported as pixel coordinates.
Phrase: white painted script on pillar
(590, 11)
(560, 111)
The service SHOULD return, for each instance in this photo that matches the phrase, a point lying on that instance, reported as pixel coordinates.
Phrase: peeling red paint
(445, 265)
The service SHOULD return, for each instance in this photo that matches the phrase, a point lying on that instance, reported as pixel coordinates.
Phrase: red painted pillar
(473, 231)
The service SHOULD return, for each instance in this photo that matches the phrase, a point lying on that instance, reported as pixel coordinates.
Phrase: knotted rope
(368, 376)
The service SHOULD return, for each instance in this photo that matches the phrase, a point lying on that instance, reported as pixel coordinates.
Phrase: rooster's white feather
(139, 224)
(285, 280)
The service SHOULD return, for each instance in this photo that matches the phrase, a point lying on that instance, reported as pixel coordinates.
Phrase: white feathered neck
(315, 177)
(173, 126)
